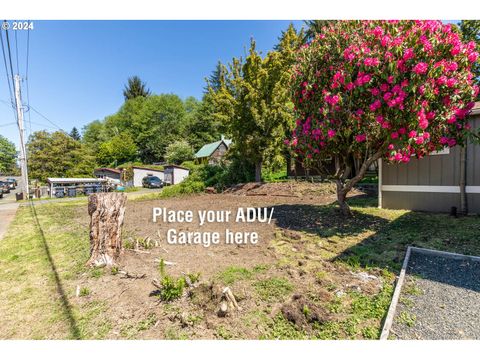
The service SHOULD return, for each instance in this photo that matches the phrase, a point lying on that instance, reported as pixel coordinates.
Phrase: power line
(10, 60)
(16, 51)
(6, 70)
(26, 80)
(43, 116)
(8, 124)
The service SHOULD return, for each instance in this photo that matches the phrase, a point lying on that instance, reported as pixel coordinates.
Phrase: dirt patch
(283, 286)
(283, 189)
(304, 312)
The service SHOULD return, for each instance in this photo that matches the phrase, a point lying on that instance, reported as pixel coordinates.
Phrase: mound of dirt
(286, 189)
(302, 312)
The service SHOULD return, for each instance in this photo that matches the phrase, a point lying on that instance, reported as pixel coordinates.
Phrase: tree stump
(107, 212)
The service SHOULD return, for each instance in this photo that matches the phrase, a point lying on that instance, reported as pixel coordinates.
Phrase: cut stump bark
(107, 212)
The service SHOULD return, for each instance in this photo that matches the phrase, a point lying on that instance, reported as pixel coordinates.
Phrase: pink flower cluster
(403, 87)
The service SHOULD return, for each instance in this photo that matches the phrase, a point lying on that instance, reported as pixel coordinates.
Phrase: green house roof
(208, 149)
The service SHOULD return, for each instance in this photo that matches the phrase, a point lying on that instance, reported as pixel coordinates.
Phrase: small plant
(194, 278)
(223, 333)
(413, 289)
(147, 323)
(128, 244)
(306, 311)
(96, 273)
(114, 270)
(407, 319)
(84, 291)
(171, 288)
(370, 333)
(145, 243)
(320, 275)
(161, 268)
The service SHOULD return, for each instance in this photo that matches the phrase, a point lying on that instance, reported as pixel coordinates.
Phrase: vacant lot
(313, 274)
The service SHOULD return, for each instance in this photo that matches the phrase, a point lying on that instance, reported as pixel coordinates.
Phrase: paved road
(8, 208)
(7, 213)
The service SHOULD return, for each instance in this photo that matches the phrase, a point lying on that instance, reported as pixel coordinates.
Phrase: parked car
(11, 183)
(152, 182)
(13, 180)
(5, 187)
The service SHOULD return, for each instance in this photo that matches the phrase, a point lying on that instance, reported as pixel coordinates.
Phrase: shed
(212, 153)
(433, 183)
(114, 175)
(139, 172)
(175, 174)
(81, 184)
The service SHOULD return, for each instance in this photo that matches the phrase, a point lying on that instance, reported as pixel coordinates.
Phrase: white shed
(175, 174)
(140, 172)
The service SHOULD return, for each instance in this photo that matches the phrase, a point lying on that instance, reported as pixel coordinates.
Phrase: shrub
(171, 288)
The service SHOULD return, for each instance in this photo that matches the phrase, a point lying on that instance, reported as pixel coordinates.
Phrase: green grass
(273, 289)
(38, 260)
(232, 274)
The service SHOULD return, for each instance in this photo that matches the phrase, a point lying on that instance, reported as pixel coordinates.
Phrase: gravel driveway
(440, 299)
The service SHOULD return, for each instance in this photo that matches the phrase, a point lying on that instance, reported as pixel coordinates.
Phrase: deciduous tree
(119, 149)
(178, 152)
(8, 156)
(58, 155)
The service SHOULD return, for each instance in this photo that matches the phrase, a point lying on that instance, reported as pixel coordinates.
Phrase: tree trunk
(258, 171)
(463, 181)
(344, 186)
(342, 199)
(107, 211)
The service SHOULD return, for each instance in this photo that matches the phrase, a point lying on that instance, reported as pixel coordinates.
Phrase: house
(433, 183)
(212, 153)
(139, 172)
(175, 174)
(114, 175)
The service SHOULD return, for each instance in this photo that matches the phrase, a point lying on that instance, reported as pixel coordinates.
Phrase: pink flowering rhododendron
(381, 89)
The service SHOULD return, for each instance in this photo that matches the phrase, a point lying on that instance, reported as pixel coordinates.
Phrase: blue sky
(77, 69)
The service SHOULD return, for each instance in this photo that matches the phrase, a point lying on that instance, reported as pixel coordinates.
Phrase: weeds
(407, 319)
(273, 288)
(84, 291)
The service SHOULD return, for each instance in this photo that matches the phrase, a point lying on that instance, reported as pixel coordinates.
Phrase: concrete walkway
(7, 213)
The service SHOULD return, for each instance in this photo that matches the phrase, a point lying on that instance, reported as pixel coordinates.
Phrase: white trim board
(430, 189)
(387, 325)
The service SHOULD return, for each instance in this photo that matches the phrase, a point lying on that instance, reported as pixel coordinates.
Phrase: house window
(444, 151)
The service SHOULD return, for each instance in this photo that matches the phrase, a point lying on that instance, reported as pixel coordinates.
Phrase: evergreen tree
(217, 78)
(135, 88)
(315, 27)
(257, 108)
(74, 134)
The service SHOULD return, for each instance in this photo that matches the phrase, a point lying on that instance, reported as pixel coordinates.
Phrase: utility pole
(23, 152)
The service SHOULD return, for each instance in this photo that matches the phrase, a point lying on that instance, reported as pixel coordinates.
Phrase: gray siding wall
(433, 170)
